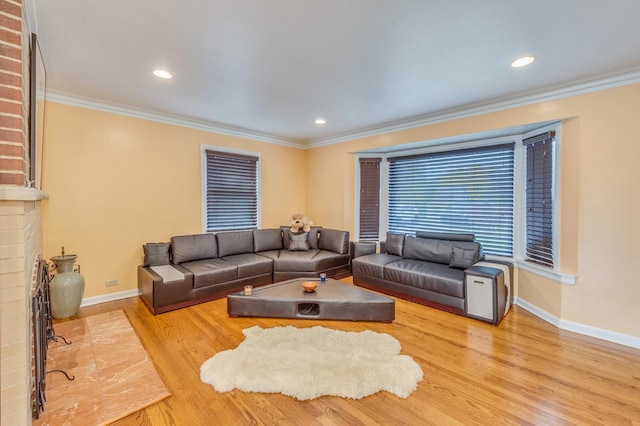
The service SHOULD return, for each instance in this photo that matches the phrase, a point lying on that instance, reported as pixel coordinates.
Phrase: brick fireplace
(20, 247)
(20, 219)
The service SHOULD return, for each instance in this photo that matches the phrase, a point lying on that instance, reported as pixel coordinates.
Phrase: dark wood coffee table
(331, 300)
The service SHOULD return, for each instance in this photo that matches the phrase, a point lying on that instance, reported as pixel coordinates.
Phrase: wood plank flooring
(523, 372)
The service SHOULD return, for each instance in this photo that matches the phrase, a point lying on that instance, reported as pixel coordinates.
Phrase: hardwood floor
(524, 371)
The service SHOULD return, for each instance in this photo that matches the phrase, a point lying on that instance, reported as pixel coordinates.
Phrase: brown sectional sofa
(204, 267)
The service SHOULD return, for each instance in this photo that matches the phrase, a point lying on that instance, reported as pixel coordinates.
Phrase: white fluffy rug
(306, 363)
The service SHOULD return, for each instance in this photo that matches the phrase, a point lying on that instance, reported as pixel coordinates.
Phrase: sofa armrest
(160, 296)
(362, 248)
(483, 271)
(147, 279)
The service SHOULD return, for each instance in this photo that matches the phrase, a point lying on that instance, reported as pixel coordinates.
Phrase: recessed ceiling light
(162, 74)
(320, 121)
(523, 61)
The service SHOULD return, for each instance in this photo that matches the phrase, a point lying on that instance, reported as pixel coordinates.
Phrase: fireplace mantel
(21, 193)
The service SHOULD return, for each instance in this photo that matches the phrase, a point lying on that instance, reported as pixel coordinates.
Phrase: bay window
(502, 190)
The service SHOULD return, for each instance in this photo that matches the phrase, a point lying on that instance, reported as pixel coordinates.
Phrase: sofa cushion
(156, 254)
(187, 248)
(211, 272)
(430, 276)
(427, 249)
(295, 261)
(325, 260)
(234, 242)
(362, 248)
(267, 239)
(309, 261)
(250, 264)
(372, 265)
(271, 254)
(394, 243)
(463, 258)
(334, 240)
(299, 242)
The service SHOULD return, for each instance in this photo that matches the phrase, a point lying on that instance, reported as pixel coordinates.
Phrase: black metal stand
(63, 372)
(43, 333)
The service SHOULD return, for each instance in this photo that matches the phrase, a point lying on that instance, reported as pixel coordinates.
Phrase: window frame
(519, 223)
(203, 181)
(554, 273)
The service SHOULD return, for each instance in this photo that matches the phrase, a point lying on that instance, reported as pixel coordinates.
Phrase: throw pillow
(394, 243)
(156, 254)
(463, 258)
(299, 242)
(286, 237)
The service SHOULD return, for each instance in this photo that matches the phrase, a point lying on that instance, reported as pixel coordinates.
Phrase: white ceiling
(271, 67)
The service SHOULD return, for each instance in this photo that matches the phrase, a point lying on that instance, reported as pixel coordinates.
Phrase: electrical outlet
(111, 283)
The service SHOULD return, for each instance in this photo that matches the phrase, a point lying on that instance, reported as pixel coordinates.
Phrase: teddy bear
(300, 221)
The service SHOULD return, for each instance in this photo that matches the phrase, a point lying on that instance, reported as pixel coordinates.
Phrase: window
(369, 198)
(539, 194)
(499, 185)
(470, 190)
(231, 191)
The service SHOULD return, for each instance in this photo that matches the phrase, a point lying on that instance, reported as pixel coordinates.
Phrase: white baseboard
(88, 301)
(587, 330)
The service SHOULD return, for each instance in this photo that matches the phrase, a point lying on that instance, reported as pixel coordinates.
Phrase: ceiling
(269, 68)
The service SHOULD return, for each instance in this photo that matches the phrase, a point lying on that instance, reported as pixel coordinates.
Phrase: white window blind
(539, 198)
(231, 192)
(467, 190)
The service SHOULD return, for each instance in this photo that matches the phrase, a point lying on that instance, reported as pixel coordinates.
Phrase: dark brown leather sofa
(197, 268)
(427, 268)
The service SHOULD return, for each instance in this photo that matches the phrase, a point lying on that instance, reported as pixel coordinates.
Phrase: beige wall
(116, 182)
(599, 200)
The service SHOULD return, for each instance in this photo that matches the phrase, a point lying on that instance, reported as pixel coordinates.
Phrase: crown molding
(587, 85)
(83, 102)
(578, 87)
